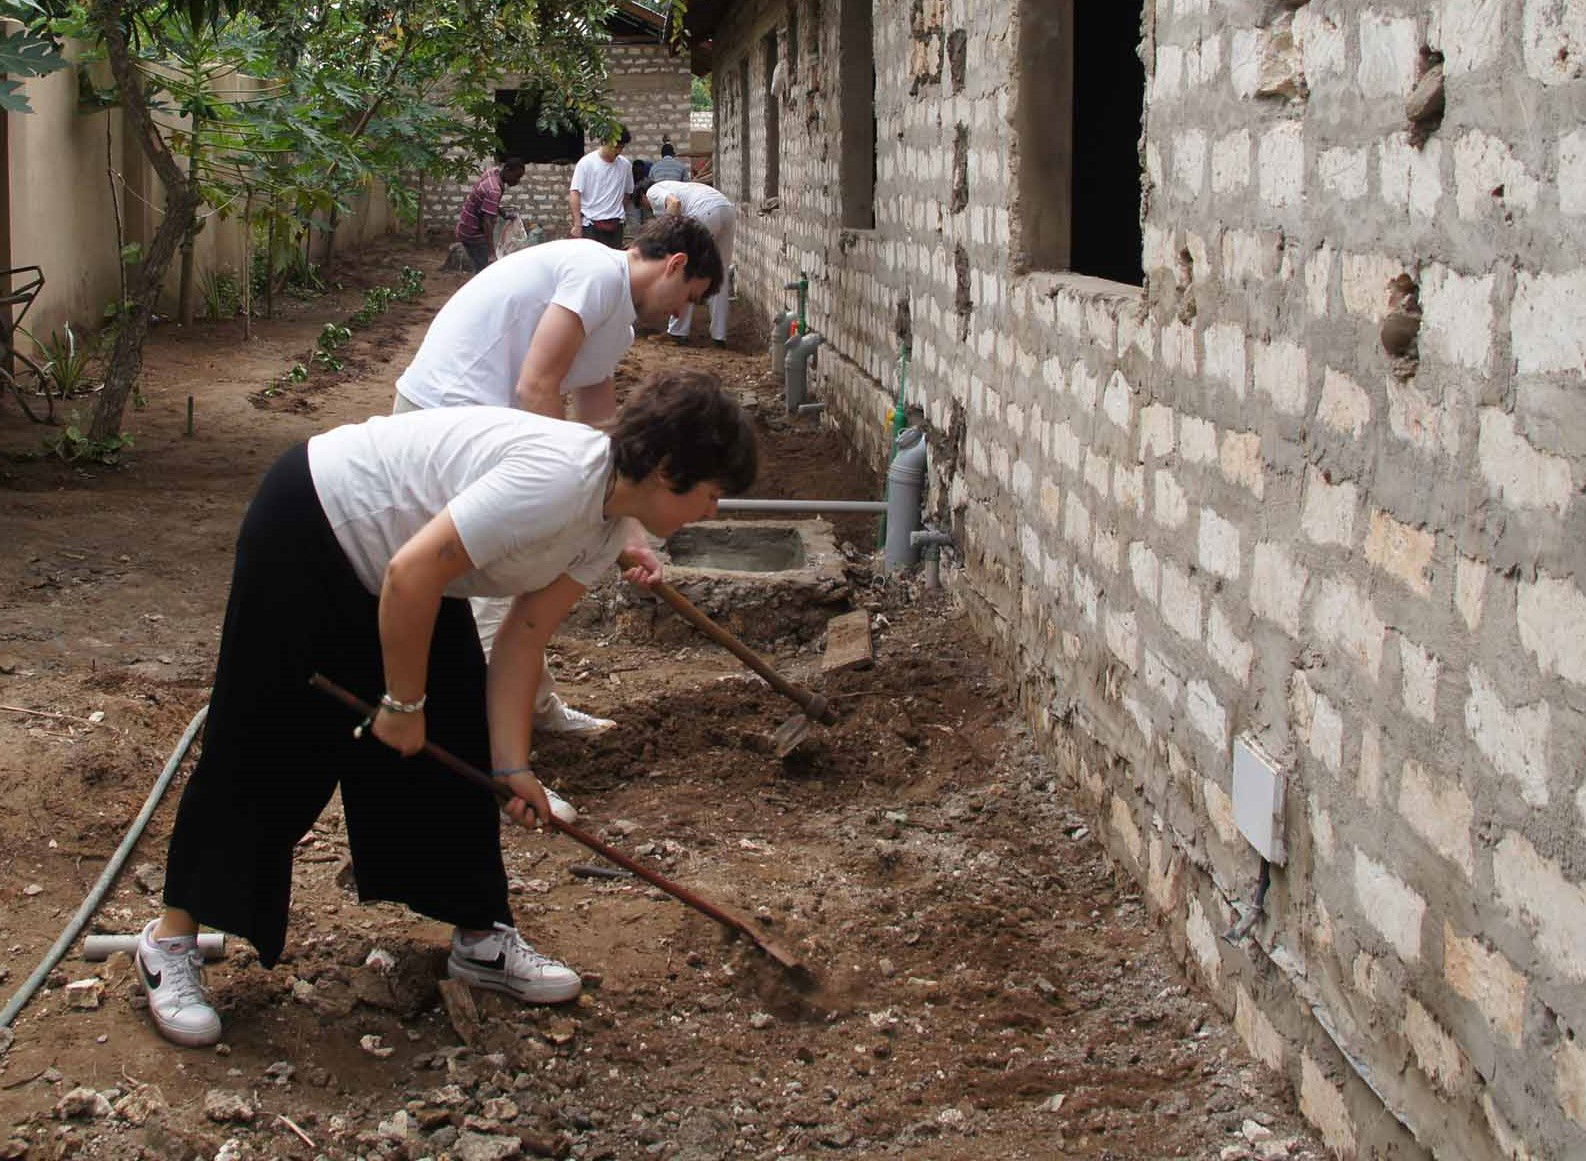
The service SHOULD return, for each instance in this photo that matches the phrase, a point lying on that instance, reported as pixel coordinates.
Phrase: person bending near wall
(551, 323)
(598, 196)
(476, 222)
(353, 560)
(718, 215)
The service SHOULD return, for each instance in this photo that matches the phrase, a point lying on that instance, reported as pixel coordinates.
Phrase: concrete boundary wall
(63, 215)
(1218, 505)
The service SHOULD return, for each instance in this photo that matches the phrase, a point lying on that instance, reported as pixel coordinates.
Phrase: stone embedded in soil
(16, 1149)
(761, 1020)
(87, 993)
(149, 877)
(227, 1108)
(140, 1104)
(375, 1045)
(82, 1103)
(486, 1147)
(281, 1072)
(32, 889)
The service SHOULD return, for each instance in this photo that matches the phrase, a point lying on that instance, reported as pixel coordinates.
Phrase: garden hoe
(797, 972)
(814, 705)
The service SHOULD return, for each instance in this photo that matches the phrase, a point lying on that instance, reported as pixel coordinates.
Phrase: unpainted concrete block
(1488, 980)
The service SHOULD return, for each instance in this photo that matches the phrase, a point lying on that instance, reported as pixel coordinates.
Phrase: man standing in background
(671, 167)
(476, 224)
(718, 215)
(602, 183)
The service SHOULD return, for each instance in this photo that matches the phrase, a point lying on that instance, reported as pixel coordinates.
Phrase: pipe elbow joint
(930, 538)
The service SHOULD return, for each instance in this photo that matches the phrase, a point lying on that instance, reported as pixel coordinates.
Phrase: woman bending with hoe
(355, 559)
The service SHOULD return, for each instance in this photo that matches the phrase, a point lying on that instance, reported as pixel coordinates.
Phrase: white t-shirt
(527, 494)
(602, 185)
(476, 344)
(697, 199)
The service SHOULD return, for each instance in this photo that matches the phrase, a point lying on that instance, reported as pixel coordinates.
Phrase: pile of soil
(985, 985)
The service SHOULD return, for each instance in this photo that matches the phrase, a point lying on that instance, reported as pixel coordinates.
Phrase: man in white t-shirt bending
(598, 196)
(718, 215)
(548, 323)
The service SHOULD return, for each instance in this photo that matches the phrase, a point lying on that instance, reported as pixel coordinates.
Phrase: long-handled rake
(727, 918)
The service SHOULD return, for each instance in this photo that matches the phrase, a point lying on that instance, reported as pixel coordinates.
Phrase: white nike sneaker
(172, 971)
(560, 718)
(504, 962)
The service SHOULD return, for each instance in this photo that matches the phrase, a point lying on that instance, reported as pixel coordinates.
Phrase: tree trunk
(269, 269)
(247, 266)
(184, 293)
(181, 205)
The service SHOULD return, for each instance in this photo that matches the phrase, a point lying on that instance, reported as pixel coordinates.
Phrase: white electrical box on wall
(1258, 800)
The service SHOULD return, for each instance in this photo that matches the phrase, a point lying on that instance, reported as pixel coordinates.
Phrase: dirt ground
(989, 987)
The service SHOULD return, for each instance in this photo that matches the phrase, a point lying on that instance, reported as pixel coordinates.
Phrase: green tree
(361, 89)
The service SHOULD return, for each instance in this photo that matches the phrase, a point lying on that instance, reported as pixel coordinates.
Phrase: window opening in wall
(1081, 95)
(522, 136)
(775, 85)
(792, 43)
(745, 194)
(857, 77)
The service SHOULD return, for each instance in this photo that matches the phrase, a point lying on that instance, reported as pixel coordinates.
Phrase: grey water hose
(107, 877)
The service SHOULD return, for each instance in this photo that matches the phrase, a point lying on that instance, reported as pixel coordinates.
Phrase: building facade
(650, 90)
(1249, 341)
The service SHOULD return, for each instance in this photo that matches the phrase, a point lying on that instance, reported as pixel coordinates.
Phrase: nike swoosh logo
(150, 979)
(497, 964)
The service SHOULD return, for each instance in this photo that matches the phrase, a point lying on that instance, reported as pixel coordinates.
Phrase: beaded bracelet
(402, 707)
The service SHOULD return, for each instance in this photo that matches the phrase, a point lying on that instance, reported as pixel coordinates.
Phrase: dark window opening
(1078, 122)
(745, 192)
(773, 121)
(857, 78)
(792, 43)
(521, 135)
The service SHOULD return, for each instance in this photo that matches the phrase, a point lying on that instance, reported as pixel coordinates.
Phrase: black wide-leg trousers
(275, 749)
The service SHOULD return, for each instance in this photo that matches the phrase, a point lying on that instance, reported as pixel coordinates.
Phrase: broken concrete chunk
(82, 1104)
(87, 993)
(486, 1147)
(227, 1108)
(848, 643)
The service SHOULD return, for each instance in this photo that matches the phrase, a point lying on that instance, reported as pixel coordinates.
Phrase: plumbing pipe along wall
(905, 493)
(800, 350)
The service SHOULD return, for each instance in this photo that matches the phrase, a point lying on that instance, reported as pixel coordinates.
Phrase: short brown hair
(668, 234)
(687, 425)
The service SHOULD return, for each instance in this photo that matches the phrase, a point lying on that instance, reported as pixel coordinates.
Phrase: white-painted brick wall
(1389, 49)
(1277, 586)
(1181, 602)
(1390, 905)
(1439, 810)
(1552, 620)
(1535, 889)
(1514, 739)
(1328, 510)
(1524, 476)
(1282, 372)
(1419, 670)
(1219, 545)
(1343, 617)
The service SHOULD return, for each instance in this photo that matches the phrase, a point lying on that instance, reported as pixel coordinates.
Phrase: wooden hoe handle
(812, 703)
(456, 765)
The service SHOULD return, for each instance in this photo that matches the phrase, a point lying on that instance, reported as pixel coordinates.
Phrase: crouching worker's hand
(640, 565)
(404, 733)
(530, 807)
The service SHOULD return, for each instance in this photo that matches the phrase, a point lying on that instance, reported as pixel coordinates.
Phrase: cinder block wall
(1217, 506)
(651, 92)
